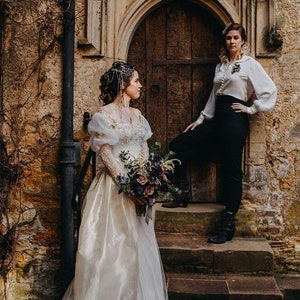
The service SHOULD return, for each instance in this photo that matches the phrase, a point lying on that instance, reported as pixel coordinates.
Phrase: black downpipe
(67, 146)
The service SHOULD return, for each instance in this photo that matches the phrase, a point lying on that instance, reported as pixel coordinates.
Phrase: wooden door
(175, 50)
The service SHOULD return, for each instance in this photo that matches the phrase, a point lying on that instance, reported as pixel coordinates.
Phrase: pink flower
(142, 179)
(149, 190)
(164, 177)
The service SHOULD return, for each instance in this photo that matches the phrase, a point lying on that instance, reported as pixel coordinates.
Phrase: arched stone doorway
(175, 49)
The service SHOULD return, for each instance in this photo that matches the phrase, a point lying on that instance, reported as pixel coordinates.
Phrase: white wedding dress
(118, 256)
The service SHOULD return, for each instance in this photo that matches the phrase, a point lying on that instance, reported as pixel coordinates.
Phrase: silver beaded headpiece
(120, 70)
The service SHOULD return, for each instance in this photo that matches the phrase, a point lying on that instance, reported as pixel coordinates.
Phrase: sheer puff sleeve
(148, 134)
(101, 132)
(148, 131)
(102, 137)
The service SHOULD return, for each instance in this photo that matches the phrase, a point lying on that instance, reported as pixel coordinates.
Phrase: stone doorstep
(290, 286)
(189, 252)
(201, 218)
(196, 269)
(231, 287)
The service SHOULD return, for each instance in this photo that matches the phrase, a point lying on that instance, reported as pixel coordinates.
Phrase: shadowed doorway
(175, 50)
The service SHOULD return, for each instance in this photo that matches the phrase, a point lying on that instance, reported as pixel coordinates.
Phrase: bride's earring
(122, 94)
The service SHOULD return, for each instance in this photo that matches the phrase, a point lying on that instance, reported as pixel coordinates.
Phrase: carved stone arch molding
(226, 11)
(112, 23)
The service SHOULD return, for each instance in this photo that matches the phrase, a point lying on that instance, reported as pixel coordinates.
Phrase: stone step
(189, 252)
(201, 218)
(289, 286)
(225, 287)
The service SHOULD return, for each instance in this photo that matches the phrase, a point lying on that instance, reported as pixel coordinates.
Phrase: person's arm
(209, 110)
(115, 169)
(102, 137)
(101, 131)
(145, 150)
(264, 88)
(110, 162)
(206, 113)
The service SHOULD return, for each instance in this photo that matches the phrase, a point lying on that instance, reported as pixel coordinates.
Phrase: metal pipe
(67, 147)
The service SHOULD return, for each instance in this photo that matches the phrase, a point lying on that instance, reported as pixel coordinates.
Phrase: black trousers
(226, 133)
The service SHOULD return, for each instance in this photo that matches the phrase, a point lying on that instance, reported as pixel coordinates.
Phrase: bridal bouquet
(148, 178)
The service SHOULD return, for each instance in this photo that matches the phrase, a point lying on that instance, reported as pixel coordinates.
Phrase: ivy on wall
(30, 34)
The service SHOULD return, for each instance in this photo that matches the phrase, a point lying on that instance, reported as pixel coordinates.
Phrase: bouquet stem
(140, 209)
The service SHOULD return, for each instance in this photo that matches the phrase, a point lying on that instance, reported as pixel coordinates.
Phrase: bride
(117, 257)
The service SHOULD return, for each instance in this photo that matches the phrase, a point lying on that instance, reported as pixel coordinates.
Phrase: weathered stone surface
(31, 59)
(224, 287)
(290, 287)
(190, 252)
(201, 219)
(194, 218)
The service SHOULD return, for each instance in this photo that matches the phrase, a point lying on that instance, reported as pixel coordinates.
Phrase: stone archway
(111, 24)
(138, 10)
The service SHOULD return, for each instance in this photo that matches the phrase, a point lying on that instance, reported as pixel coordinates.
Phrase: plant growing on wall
(9, 175)
(30, 37)
(273, 40)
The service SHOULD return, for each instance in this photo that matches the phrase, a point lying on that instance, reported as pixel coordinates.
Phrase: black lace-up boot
(225, 231)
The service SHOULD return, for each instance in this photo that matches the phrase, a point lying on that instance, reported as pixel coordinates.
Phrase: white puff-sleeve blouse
(240, 80)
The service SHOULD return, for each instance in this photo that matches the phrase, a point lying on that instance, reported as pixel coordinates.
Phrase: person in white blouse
(224, 124)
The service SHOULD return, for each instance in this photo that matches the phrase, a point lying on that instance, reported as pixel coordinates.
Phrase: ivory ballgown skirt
(118, 257)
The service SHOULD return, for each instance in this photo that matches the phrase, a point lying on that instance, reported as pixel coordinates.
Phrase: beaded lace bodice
(110, 135)
(131, 138)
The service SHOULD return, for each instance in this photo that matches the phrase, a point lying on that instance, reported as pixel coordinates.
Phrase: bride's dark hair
(111, 81)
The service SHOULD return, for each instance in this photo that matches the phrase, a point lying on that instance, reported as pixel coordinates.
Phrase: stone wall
(272, 175)
(32, 83)
(32, 99)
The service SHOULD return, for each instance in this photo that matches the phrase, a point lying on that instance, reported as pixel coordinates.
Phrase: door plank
(156, 88)
(176, 49)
